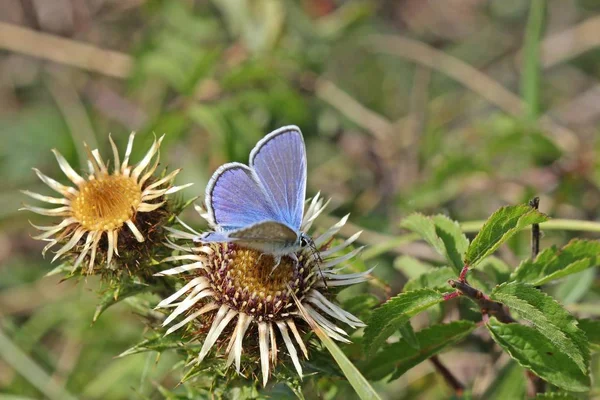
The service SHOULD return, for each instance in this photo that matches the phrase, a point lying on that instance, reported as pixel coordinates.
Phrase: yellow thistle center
(107, 202)
(252, 270)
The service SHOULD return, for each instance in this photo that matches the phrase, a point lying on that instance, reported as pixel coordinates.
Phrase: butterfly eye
(304, 241)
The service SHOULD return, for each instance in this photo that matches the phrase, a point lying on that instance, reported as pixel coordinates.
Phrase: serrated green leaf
(553, 263)
(408, 334)
(591, 328)
(454, 239)
(158, 343)
(534, 351)
(61, 269)
(548, 317)
(425, 227)
(435, 279)
(359, 303)
(498, 228)
(395, 312)
(399, 357)
(509, 383)
(443, 234)
(115, 294)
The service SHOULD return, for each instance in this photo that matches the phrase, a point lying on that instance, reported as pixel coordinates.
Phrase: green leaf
(534, 351)
(443, 234)
(553, 263)
(399, 358)
(435, 279)
(117, 293)
(159, 343)
(575, 287)
(509, 383)
(548, 317)
(454, 239)
(408, 334)
(503, 224)
(62, 269)
(396, 312)
(361, 303)
(591, 327)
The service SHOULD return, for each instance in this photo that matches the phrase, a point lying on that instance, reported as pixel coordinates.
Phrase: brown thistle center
(249, 281)
(105, 203)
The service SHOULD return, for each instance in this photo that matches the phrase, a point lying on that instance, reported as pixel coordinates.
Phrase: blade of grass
(30, 370)
(530, 78)
(359, 383)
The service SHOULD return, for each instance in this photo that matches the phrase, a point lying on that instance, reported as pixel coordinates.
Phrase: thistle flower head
(238, 293)
(104, 204)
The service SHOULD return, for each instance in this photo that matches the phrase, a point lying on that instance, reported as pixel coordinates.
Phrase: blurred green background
(456, 106)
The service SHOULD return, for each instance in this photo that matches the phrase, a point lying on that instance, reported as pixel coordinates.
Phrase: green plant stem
(530, 78)
(552, 225)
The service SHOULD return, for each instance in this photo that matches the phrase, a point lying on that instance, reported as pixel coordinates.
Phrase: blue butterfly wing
(235, 198)
(279, 161)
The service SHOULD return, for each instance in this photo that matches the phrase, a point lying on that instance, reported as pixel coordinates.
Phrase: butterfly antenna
(317, 255)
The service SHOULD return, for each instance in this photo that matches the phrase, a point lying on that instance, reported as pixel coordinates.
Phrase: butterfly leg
(277, 260)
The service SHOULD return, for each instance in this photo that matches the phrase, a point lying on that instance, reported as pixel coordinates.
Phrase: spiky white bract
(227, 284)
(102, 203)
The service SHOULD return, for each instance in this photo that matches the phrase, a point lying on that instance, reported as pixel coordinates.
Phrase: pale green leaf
(400, 357)
(591, 327)
(437, 278)
(425, 227)
(548, 317)
(443, 234)
(509, 383)
(455, 241)
(553, 263)
(503, 224)
(395, 312)
(574, 287)
(534, 351)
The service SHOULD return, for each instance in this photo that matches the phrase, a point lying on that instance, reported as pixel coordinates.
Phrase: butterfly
(261, 205)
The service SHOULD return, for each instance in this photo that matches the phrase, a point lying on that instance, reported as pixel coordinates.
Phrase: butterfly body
(261, 205)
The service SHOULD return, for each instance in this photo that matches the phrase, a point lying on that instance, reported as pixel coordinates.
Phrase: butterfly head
(305, 240)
